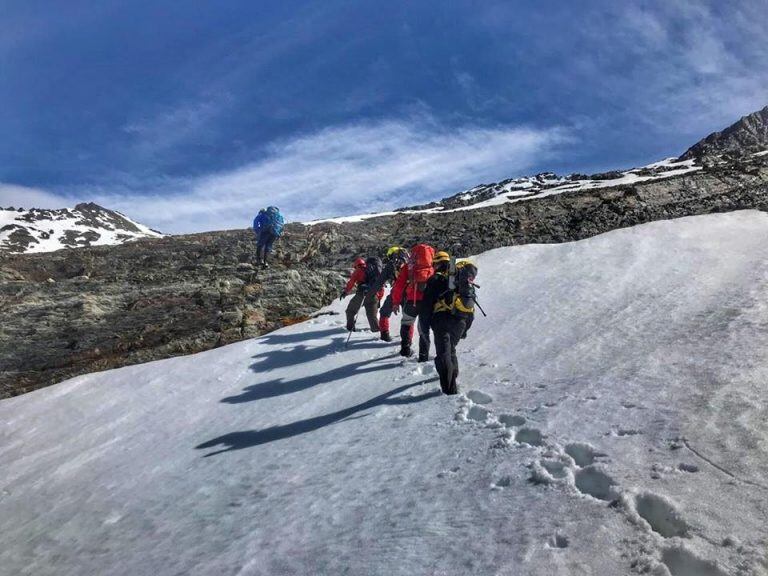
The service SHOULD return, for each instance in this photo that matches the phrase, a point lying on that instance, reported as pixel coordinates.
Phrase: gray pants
(371, 304)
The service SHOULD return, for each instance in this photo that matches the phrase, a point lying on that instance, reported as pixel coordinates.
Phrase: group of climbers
(434, 293)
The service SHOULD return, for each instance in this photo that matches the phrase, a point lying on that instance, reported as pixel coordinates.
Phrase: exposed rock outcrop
(747, 136)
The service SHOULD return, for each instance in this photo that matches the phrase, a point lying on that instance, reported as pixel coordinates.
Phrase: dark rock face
(747, 136)
(76, 311)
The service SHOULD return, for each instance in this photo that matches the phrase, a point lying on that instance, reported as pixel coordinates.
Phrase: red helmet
(360, 263)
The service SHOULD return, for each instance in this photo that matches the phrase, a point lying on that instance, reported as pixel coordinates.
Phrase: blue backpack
(273, 221)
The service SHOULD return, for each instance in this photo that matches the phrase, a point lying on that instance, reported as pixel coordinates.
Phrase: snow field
(612, 421)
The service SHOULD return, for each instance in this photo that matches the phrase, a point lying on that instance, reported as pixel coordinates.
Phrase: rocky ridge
(747, 136)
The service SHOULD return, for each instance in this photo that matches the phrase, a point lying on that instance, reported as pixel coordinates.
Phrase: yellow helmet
(393, 250)
(440, 257)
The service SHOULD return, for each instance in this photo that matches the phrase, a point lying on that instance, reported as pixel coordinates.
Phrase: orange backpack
(420, 267)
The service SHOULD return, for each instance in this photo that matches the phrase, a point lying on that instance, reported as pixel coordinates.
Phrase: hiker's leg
(372, 311)
(457, 326)
(443, 360)
(406, 334)
(384, 313)
(352, 309)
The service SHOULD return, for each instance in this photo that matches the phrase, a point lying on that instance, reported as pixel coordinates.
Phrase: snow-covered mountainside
(612, 421)
(42, 230)
(541, 185)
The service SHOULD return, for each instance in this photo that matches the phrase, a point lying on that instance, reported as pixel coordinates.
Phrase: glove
(464, 335)
(396, 309)
(342, 295)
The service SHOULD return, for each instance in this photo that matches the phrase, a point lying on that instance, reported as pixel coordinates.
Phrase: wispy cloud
(691, 65)
(171, 127)
(344, 170)
(25, 197)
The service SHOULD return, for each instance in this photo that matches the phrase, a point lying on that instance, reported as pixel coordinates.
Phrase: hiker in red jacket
(362, 279)
(408, 292)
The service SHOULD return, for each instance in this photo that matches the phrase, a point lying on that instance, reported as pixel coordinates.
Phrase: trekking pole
(346, 344)
(480, 308)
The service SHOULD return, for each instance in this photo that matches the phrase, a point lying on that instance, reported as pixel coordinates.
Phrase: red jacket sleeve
(399, 287)
(357, 276)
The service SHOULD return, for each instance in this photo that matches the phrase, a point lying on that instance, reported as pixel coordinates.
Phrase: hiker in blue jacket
(267, 226)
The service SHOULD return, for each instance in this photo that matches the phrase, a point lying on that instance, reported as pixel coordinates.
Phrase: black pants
(386, 308)
(264, 245)
(371, 304)
(448, 331)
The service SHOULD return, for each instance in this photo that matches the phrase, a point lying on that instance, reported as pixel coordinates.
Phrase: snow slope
(613, 421)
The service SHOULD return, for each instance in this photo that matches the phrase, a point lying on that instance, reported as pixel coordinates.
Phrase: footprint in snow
(479, 397)
(593, 481)
(478, 413)
(511, 420)
(681, 562)
(423, 369)
(530, 436)
(583, 454)
(657, 514)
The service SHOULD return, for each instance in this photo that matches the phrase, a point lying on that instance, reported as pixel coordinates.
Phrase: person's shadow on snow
(279, 386)
(284, 357)
(250, 438)
(279, 339)
(301, 353)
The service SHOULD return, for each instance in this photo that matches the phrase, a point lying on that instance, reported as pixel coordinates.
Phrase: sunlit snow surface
(613, 421)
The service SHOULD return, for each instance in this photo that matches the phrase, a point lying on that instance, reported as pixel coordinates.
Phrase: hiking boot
(423, 357)
(385, 336)
(406, 351)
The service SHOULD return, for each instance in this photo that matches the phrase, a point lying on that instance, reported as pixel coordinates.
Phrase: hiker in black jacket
(448, 309)
(393, 262)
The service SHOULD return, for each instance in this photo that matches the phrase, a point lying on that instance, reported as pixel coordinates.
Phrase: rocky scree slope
(76, 311)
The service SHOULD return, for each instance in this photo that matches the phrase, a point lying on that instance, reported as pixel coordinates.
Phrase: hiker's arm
(356, 277)
(399, 287)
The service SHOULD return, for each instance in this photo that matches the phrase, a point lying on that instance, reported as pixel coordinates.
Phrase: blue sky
(190, 116)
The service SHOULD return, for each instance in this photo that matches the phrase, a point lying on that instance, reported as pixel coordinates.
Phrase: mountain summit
(87, 224)
(747, 136)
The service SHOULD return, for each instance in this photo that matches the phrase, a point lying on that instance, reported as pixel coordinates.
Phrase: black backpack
(373, 268)
(460, 297)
